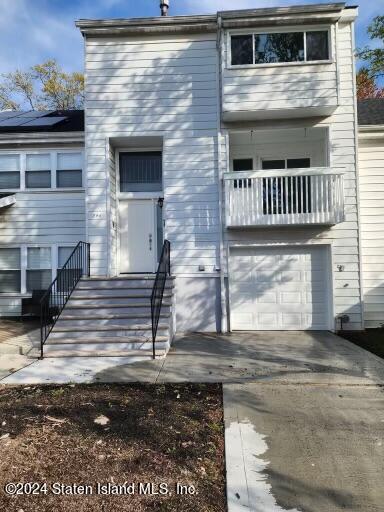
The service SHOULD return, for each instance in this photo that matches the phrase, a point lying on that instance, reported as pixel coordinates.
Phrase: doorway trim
(153, 197)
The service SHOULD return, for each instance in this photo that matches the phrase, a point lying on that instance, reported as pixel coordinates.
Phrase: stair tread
(112, 306)
(110, 317)
(105, 340)
(86, 328)
(105, 353)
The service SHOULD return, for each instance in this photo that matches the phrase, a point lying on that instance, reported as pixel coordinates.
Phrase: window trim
(24, 263)
(22, 153)
(280, 30)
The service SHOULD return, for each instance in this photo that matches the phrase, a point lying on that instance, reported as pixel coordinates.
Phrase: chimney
(164, 6)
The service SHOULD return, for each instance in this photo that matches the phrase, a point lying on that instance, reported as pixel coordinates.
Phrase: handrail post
(163, 271)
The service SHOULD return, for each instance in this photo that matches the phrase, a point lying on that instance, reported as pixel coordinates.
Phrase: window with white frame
(69, 170)
(10, 270)
(9, 171)
(38, 171)
(279, 47)
(39, 268)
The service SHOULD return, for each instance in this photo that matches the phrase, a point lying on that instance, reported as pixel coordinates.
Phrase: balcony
(288, 197)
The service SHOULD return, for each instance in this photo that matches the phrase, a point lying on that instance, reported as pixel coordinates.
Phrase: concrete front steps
(111, 317)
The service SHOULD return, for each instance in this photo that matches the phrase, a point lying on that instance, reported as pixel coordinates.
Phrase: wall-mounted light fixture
(160, 202)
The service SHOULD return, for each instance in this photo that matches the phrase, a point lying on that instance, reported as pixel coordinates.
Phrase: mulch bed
(370, 339)
(113, 434)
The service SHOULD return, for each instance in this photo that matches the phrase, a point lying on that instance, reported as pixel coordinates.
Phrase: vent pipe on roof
(164, 6)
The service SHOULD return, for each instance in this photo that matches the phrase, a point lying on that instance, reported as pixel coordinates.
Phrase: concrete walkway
(304, 413)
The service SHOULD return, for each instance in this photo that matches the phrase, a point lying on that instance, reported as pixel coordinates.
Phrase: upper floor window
(9, 171)
(279, 47)
(69, 170)
(38, 171)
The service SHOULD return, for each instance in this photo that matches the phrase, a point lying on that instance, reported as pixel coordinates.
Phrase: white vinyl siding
(342, 237)
(276, 87)
(371, 169)
(163, 86)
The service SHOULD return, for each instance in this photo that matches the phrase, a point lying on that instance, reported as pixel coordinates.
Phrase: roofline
(14, 138)
(210, 23)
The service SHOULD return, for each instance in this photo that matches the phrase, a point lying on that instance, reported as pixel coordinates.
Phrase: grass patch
(112, 434)
(370, 339)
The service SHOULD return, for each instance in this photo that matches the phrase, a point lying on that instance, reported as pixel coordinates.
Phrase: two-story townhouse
(234, 137)
(42, 203)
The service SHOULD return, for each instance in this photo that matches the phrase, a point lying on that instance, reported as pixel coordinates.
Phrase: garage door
(279, 288)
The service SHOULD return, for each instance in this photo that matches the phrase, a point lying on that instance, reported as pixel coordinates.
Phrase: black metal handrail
(163, 271)
(55, 298)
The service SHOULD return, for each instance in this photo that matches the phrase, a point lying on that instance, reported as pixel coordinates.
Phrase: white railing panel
(284, 197)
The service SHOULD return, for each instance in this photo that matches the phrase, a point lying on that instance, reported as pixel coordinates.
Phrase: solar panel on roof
(13, 121)
(44, 121)
(34, 114)
(8, 114)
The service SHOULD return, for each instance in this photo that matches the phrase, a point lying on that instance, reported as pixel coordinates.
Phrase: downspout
(223, 298)
(357, 173)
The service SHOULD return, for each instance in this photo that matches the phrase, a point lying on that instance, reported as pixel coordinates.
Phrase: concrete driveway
(304, 414)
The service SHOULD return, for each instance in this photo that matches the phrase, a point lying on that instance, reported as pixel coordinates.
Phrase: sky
(32, 31)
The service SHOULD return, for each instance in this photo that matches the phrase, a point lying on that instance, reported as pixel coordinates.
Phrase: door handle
(150, 241)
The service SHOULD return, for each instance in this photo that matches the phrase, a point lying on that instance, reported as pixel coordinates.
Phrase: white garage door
(279, 288)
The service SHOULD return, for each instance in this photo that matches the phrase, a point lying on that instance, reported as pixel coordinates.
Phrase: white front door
(279, 288)
(137, 236)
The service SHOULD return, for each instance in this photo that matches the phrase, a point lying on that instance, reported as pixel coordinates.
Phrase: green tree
(42, 87)
(374, 57)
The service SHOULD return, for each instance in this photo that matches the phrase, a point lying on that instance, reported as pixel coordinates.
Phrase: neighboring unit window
(284, 47)
(317, 45)
(279, 47)
(9, 171)
(242, 50)
(69, 274)
(38, 171)
(69, 170)
(140, 172)
(10, 274)
(39, 274)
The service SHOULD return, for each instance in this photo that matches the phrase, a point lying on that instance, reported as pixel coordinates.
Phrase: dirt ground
(370, 339)
(106, 436)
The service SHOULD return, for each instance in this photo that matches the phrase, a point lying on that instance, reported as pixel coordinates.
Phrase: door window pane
(38, 171)
(9, 171)
(69, 170)
(241, 50)
(141, 172)
(10, 275)
(284, 47)
(317, 45)
(39, 275)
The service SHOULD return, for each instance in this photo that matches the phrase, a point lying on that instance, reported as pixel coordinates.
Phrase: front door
(137, 236)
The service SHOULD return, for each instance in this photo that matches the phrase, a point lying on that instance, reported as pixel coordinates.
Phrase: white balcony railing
(284, 197)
